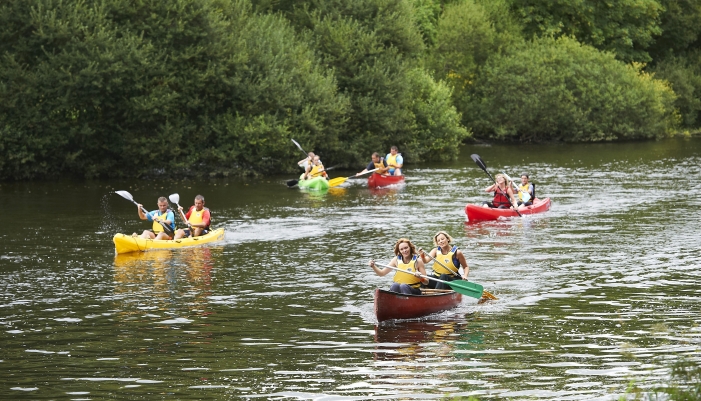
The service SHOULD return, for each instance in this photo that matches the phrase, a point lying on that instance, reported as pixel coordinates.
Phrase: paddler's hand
(371, 263)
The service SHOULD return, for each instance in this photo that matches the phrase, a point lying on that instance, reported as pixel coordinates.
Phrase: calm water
(601, 290)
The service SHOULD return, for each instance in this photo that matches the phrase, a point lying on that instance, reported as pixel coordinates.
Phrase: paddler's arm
(463, 263)
(382, 272)
(142, 215)
(420, 269)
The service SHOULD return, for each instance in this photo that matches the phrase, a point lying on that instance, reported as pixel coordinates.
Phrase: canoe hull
(378, 180)
(391, 305)
(316, 183)
(127, 243)
(477, 212)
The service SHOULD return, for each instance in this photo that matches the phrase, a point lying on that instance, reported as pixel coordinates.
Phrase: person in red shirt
(197, 218)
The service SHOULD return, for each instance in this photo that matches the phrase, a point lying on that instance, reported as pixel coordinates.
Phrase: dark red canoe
(377, 180)
(477, 212)
(391, 305)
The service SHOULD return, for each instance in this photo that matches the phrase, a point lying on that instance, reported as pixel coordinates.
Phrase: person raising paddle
(503, 194)
(409, 280)
(304, 163)
(395, 161)
(198, 220)
(162, 215)
(447, 261)
(379, 164)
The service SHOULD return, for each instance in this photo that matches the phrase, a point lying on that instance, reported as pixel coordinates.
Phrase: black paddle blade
(479, 161)
(292, 183)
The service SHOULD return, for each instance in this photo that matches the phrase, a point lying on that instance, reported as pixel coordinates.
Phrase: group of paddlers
(409, 264)
(504, 196)
(389, 165)
(197, 220)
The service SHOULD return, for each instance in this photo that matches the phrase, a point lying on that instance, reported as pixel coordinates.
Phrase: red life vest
(500, 199)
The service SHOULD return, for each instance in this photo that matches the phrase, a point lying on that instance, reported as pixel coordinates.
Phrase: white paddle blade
(175, 198)
(124, 194)
(525, 196)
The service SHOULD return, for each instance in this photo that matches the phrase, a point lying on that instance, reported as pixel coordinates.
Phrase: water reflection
(158, 280)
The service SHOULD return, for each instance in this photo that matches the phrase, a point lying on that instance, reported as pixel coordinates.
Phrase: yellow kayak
(127, 243)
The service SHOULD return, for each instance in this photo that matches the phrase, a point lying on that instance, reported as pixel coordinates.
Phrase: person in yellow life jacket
(447, 261)
(316, 169)
(395, 161)
(198, 220)
(163, 221)
(525, 187)
(409, 280)
(379, 164)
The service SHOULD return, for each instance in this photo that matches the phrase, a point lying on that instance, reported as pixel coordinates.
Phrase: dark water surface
(601, 290)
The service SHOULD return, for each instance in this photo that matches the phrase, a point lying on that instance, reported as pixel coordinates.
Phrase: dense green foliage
(571, 92)
(135, 87)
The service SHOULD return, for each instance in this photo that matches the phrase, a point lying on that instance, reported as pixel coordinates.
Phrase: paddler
(163, 221)
(378, 164)
(525, 187)
(304, 163)
(447, 261)
(316, 169)
(198, 220)
(395, 161)
(409, 280)
(503, 194)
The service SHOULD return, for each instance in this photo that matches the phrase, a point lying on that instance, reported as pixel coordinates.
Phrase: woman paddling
(503, 194)
(409, 280)
(448, 261)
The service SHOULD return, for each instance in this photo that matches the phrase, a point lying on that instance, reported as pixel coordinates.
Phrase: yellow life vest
(157, 227)
(380, 166)
(196, 216)
(392, 160)
(407, 278)
(314, 172)
(448, 260)
(522, 189)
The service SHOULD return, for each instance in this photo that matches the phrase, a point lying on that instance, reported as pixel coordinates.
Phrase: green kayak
(316, 183)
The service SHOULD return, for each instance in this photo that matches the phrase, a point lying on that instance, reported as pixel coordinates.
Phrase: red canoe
(392, 305)
(377, 180)
(477, 212)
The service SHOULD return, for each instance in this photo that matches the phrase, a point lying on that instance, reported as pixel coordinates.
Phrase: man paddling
(198, 220)
(161, 215)
(379, 164)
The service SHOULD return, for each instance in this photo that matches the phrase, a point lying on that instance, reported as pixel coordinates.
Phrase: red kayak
(377, 180)
(392, 305)
(477, 212)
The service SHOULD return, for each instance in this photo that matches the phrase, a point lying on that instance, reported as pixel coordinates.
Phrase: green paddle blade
(473, 290)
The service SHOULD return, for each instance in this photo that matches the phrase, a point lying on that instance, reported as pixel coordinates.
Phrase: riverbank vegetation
(131, 88)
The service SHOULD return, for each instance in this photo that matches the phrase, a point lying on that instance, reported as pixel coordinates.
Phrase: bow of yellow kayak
(127, 243)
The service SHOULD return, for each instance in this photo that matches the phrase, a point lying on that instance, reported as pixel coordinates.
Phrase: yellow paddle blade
(334, 182)
(488, 295)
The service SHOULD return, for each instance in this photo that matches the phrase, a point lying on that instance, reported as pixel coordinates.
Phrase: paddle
(300, 147)
(460, 286)
(485, 293)
(525, 196)
(175, 198)
(292, 183)
(340, 180)
(126, 195)
(483, 166)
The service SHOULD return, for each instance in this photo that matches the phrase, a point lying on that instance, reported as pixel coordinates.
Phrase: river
(601, 290)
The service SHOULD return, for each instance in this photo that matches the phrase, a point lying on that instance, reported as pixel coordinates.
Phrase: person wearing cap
(525, 187)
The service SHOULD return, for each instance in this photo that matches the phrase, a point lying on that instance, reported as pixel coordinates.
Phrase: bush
(561, 89)
(684, 76)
